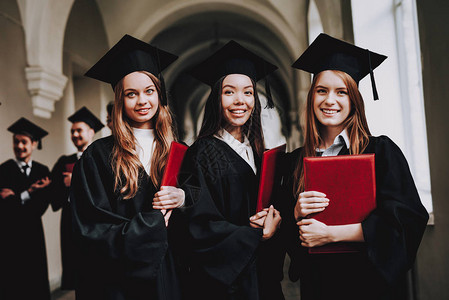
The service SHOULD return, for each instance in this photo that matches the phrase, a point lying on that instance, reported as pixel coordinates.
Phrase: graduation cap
(86, 116)
(328, 53)
(23, 126)
(233, 58)
(130, 55)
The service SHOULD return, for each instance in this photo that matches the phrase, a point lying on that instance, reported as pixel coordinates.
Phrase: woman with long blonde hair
(336, 124)
(121, 211)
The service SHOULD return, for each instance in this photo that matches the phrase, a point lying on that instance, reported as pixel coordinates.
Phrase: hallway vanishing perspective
(48, 45)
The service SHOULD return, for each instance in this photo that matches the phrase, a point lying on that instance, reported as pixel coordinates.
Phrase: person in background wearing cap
(336, 125)
(120, 211)
(24, 198)
(109, 108)
(228, 239)
(84, 127)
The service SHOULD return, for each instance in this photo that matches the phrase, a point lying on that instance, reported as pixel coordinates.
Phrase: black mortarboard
(328, 53)
(233, 58)
(86, 116)
(130, 55)
(23, 126)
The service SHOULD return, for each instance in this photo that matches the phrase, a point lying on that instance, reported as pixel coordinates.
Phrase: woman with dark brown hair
(229, 244)
(335, 124)
(120, 210)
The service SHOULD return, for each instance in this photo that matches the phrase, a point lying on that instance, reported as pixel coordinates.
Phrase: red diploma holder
(69, 167)
(268, 176)
(349, 182)
(175, 157)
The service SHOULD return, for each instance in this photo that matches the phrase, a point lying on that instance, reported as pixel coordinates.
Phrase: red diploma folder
(349, 182)
(69, 167)
(268, 176)
(175, 157)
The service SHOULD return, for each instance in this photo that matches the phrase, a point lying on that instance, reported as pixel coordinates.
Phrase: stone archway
(44, 23)
(197, 31)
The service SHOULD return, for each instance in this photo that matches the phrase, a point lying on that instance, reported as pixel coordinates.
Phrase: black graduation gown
(392, 234)
(225, 251)
(124, 248)
(23, 254)
(60, 200)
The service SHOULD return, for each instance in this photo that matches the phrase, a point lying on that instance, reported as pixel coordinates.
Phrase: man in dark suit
(84, 127)
(24, 198)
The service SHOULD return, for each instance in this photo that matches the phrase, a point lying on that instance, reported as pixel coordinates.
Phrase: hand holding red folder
(268, 176)
(67, 175)
(174, 161)
(170, 178)
(349, 183)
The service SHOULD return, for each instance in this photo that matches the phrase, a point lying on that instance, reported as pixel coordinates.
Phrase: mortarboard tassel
(162, 81)
(270, 103)
(371, 73)
(39, 144)
(164, 93)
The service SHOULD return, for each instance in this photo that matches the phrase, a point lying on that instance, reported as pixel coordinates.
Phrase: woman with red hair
(335, 124)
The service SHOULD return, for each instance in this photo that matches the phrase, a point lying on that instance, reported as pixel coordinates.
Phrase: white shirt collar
(21, 163)
(344, 135)
(338, 140)
(225, 136)
(79, 154)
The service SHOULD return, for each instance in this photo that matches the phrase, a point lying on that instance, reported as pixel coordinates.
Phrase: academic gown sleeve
(114, 244)
(60, 193)
(393, 231)
(40, 199)
(220, 248)
(12, 178)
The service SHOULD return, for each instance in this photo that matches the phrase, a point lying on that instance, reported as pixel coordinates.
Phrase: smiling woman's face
(237, 100)
(141, 100)
(331, 102)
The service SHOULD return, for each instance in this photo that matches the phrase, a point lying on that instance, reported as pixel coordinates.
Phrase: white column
(46, 87)
(44, 24)
(389, 27)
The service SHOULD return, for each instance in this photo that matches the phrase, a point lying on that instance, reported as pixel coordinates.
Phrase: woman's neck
(235, 131)
(142, 129)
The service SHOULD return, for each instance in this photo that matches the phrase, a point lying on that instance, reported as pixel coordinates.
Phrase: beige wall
(16, 103)
(14, 96)
(12, 66)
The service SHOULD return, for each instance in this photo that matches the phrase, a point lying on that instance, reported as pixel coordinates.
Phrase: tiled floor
(291, 289)
(291, 292)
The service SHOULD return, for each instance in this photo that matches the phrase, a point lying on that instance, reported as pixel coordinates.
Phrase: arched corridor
(48, 45)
